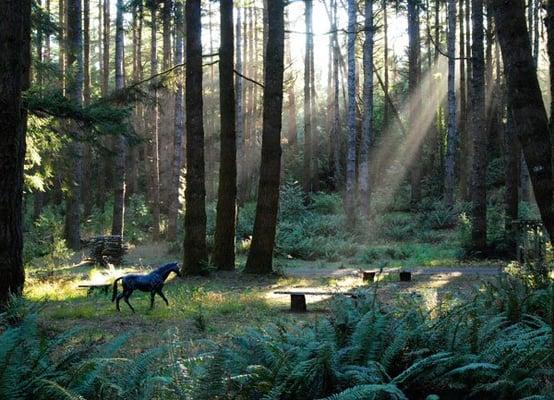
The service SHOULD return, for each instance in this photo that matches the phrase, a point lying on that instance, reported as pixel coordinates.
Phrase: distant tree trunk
(104, 178)
(132, 159)
(260, 256)
(385, 63)
(351, 122)
(154, 147)
(414, 67)
(224, 246)
(463, 101)
(240, 106)
(308, 100)
(479, 133)
(526, 103)
(196, 254)
(452, 136)
(87, 173)
(74, 68)
(106, 50)
(61, 42)
(367, 124)
(121, 141)
(292, 135)
(336, 136)
(174, 204)
(467, 161)
(15, 40)
(512, 151)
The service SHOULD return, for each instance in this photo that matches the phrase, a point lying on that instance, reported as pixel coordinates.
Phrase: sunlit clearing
(418, 114)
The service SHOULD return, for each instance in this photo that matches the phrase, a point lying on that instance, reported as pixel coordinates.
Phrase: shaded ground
(225, 303)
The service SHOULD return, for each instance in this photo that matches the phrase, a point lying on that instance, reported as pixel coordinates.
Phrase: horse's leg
(159, 291)
(117, 299)
(126, 298)
(152, 294)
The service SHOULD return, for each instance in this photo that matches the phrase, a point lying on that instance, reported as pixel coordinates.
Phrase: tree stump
(368, 276)
(297, 303)
(405, 276)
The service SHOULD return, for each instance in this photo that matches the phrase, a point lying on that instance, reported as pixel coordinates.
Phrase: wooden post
(405, 276)
(297, 303)
(368, 276)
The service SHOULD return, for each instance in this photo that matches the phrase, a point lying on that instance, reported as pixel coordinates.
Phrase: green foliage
(34, 365)
(366, 350)
(44, 239)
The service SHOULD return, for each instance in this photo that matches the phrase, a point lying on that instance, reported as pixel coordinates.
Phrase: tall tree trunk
(224, 246)
(512, 151)
(467, 161)
(367, 124)
(463, 100)
(337, 134)
(121, 140)
(526, 103)
(351, 121)
(106, 50)
(74, 68)
(385, 63)
(292, 135)
(61, 41)
(174, 204)
(195, 250)
(240, 106)
(549, 24)
(452, 136)
(307, 100)
(15, 43)
(479, 132)
(154, 147)
(260, 256)
(414, 67)
(88, 157)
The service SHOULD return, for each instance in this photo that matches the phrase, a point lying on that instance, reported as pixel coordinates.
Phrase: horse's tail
(115, 288)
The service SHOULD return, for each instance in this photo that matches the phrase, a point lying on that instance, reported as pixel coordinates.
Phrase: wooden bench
(103, 287)
(298, 299)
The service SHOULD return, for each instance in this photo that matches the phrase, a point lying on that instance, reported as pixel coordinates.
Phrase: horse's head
(174, 267)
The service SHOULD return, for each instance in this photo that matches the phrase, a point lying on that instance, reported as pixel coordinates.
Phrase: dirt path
(312, 272)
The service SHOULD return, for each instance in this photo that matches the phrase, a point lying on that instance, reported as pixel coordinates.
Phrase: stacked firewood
(106, 250)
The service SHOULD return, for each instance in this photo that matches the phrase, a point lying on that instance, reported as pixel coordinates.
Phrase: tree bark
(121, 141)
(240, 37)
(74, 69)
(308, 99)
(174, 204)
(525, 101)
(351, 121)
(414, 67)
(452, 135)
(367, 123)
(260, 256)
(154, 146)
(224, 246)
(479, 133)
(15, 42)
(195, 251)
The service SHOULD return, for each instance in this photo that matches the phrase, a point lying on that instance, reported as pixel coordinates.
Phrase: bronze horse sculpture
(152, 282)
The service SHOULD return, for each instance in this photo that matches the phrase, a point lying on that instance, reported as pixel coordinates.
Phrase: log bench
(103, 287)
(298, 298)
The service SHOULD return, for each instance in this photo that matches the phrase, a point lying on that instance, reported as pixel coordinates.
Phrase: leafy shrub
(138, 219)
(398, 226)
(475, 349)
(326, 203)
(34, 365)
(439, 216)
(245, 220)
(45, 240)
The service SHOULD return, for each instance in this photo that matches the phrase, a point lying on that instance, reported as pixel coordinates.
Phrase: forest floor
(223, 304)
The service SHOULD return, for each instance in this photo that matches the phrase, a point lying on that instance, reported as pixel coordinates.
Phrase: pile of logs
(106, 250)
